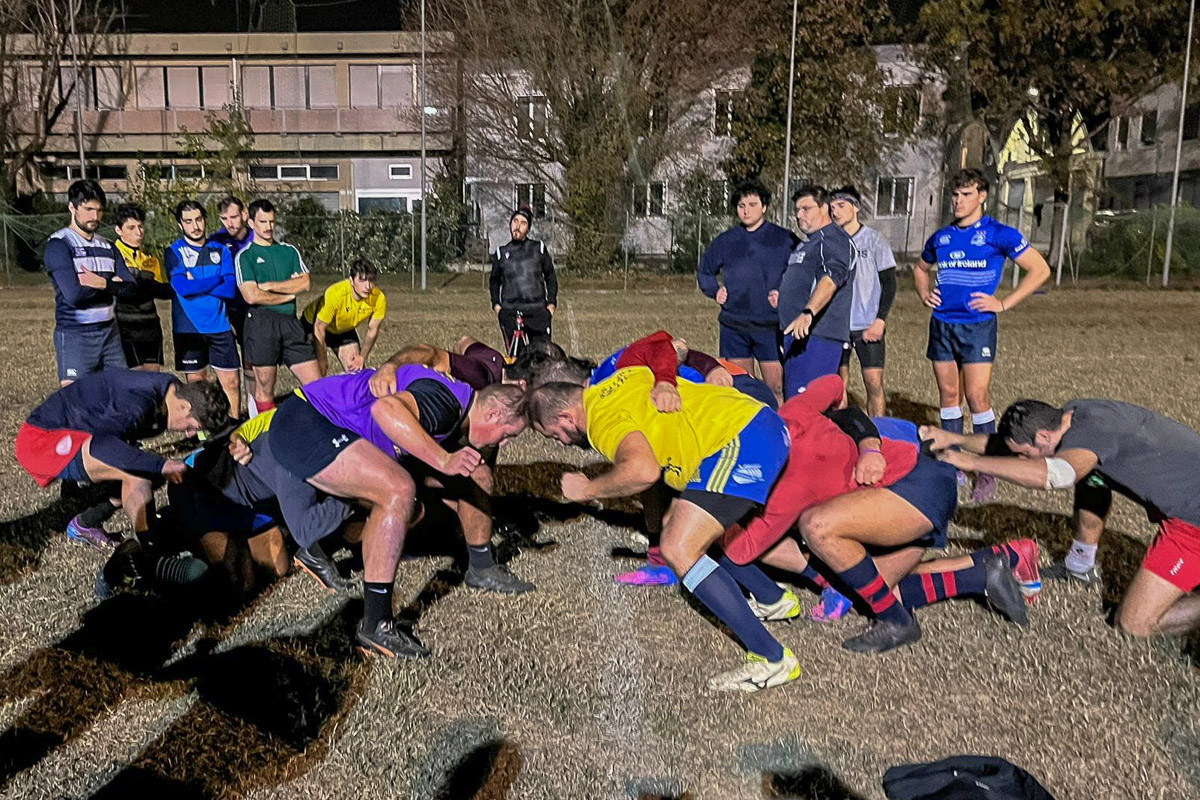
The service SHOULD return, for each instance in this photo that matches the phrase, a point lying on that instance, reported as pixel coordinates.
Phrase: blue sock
(867, 583)
(984, 422)
(952, 419)
(918, 591)
(720, 594)
(1002, 550)
(753, 580)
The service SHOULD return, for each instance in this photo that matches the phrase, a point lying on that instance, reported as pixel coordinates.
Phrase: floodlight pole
(1187, 68)
(423, 111)
(78, 92)
(785, 201)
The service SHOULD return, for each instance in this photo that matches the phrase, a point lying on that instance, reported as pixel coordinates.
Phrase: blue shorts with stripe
(748, 466)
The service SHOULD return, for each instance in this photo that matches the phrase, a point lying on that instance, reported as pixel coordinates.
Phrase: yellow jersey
(140, 260)
(341, 311)
(252, 428)
(711, 417)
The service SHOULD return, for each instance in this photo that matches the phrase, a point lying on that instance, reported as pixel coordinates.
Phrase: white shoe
(785, 607)
(758, 674)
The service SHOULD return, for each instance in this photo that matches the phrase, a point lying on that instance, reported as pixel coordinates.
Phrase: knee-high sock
(753, 580)
(1002, 550)
(952, 419)
(983, 422)
(865, 580)
(917, 591)
(720, 594)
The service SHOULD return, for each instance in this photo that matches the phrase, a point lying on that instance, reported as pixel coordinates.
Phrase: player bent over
(1151, 457)
(722, 451)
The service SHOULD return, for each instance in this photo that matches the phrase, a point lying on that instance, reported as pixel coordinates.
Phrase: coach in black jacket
(523, 281)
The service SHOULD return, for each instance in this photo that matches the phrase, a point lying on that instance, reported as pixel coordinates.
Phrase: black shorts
(303, 441)
(142, 343)
(334, 341)
(724, 508)
(195, 352)
(871, 355)
(237, 320)
(271, 339)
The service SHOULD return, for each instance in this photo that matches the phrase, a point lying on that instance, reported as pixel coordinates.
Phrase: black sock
(377, 597)
(97, 515)
(481, 557)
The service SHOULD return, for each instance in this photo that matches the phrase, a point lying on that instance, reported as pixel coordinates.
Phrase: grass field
(583, 689)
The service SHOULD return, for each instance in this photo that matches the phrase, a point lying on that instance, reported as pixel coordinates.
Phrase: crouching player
(722, 451)
(868, 512)
(338, 437)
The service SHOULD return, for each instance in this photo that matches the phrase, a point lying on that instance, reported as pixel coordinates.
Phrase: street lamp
(1187, 66)
(424, 111)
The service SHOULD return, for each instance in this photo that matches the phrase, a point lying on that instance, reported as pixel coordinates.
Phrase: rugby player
(750, 258)
(270, 274)
(868, 510)
(472, 362)
(87, 432)
(137, 315)
(970, 254)
(523, 281)
(88, 275)
(1144, 455)
(203, 278)
(235, 234)
(333, 318)
(874, 290)
(337, 436)
(722, 451)
(815, 294)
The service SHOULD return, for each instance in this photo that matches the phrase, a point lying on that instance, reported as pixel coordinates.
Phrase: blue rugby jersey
(199, 302)
(970, 260)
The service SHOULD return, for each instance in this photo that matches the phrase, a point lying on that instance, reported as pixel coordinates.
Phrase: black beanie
(522, 212)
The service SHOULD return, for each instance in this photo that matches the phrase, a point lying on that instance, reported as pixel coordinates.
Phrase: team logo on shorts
(978, 239)
(986, 352)
(63, 447)
(747, 473)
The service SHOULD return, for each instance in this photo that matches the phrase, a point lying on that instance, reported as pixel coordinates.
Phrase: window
(400, 172)
(1121, 140)
(659, 115)
(901, 109)
(1191, 122)
(893, 198)
(381, 85)
(648, 199)
(289, 87)
(295, 172)
(724, 111)
(100, 172)
(716, 198)
(1099, 139)
(532, 118)
(368, 205)
(101, 87)
(182, 87)
(1150, 128)
(532, 195)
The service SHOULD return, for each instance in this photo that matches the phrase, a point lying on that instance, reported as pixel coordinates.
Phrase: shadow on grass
(810, 783)
(468, 760)
(23, 540)
(904, 407)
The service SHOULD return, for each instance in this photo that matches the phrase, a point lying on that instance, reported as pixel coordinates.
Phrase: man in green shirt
(270, 274)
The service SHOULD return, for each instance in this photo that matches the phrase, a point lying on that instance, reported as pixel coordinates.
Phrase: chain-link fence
(1131, 245)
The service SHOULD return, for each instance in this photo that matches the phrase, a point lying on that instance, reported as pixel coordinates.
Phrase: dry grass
(583, 689)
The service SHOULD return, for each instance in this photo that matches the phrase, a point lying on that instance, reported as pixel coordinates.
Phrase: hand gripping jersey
(970, 260)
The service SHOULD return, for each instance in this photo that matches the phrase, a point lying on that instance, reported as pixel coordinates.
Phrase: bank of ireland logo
(747, 473)
(978, 239)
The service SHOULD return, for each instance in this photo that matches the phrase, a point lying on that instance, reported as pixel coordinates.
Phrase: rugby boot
(1003, 592)
(786, 607)
(758, 674)
(322, 568)
(496, 578)
(1026, 571)
(388, 640)
(1059, 571)
(881, 636)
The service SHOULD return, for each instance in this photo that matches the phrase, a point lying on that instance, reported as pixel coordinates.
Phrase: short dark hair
(506, 396)
(210, 404)
(546, 402)
(970, 177)
(126, 212)
(753, 186)
(227, 201)
(363, 268)
(817, 193)
(851, 191)
(573, 370)
(535, 358)
(189, 205)
(1024, 418)
(261, 204)
(86, 190)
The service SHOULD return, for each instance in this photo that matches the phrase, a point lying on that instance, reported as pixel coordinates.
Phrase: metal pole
(423, 107)
(1187, 69)
(78, 94)
(1066, 231)
(786, 200)
(1020, 227)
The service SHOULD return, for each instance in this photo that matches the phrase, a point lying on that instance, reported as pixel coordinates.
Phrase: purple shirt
(346, 401)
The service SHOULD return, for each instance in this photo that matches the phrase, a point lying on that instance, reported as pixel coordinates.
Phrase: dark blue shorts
(303, 440)
(805, 360)
(195, 352)
(962, 342)
(74, 470)
(747, 340)
(84, 349)
(748, 466)
(753, 387)
(931, 488)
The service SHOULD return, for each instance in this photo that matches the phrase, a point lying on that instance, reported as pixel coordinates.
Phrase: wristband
(870, 450)
(808, 311)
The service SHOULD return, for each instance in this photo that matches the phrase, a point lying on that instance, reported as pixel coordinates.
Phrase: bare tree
(35, 61)
(591, 96)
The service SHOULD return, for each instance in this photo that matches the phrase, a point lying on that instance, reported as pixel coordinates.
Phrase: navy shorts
(303, 441)
(753, 387)
(75, 471)
(747, 340)
(84, 349)
(805, 360)
(194, 352)
(962, 342)
(739, 476)
(931, 488)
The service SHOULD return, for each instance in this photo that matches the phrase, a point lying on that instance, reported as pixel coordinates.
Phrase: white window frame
(647, 189)
(411, 196)
(532, 202)
(392, 168)
(307, 172)
(893, 212)
(527, 104)
(723, 117)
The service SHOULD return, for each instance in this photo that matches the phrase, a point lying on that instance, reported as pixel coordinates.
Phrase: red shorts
(1174, 555)
(45, 454)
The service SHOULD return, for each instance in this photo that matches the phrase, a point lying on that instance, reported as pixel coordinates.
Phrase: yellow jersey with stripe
(711, 418)
(141, 260)
(341, 311)
(252, 428)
